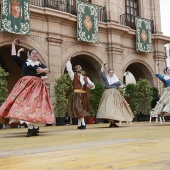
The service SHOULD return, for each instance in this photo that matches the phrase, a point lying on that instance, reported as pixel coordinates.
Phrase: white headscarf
(166, 76)
(112, 80)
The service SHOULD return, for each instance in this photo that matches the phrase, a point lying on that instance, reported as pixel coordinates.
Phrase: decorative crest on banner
(87, 22)
(143, 35)
(15, 16)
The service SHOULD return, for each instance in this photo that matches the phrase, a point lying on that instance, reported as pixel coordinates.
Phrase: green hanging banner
(143, 35)
(87, 22)
(15, 16)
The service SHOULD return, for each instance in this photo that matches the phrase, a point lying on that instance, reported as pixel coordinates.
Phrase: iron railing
(129, 20)
(68, 6)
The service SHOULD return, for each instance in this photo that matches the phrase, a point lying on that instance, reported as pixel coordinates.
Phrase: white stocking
(79, 122)
(35, 127)
(30, 126)
(83, 122)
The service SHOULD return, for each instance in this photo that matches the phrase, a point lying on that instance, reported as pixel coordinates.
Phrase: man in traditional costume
(80, 104)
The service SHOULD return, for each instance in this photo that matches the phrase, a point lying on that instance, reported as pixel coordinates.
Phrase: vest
(77, 84)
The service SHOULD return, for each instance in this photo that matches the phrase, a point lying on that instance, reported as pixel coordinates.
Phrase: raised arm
(102, 74)
(19, 52)
(13, 50)
(160, 77)
(70, 70)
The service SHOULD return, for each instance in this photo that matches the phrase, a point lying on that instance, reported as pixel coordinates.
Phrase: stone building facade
(167, 49)
(54, 35)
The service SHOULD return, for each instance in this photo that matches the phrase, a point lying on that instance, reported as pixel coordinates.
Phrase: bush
(145, 92)
(3, 85)
(139, 96)
(131, 96)
(95, 97)
(63, 90)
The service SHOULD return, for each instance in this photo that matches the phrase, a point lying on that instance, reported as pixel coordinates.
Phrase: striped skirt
(80, 105)
(163, 106)
(114, 107)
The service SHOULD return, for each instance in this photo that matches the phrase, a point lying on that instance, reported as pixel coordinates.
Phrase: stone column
(112, 11)
(159, 67)
(160, 61)
(54, 52)
(115, 60)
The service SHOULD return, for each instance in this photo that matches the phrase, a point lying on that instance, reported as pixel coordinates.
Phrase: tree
(3, 85)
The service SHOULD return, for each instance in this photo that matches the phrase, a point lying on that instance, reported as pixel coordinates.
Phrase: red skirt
(28, 101)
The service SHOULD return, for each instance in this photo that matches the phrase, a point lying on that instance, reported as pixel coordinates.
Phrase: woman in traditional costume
(113, 105)
(28, 101)
(163, 105)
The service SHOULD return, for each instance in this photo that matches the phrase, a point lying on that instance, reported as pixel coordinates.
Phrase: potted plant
(63, 90)
(3, 88)
(145, 91)
(135, 95)
(94, 100)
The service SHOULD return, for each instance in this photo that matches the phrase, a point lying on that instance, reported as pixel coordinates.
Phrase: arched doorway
(140, 71)
(89, 65)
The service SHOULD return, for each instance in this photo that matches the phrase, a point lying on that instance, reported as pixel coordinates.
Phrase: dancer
(113, 105)
(163, 105)
(80, 105)
(28, 101)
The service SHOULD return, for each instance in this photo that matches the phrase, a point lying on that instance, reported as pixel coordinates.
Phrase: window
(131, 10)
(73, 5)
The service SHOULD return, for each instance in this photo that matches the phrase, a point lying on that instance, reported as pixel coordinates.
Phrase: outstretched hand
(90, 85)
(71, 58)
(16, 41)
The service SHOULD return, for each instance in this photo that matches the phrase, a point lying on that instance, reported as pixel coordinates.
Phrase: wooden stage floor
(139, 146)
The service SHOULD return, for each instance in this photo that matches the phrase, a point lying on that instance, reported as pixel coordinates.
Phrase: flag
(143, 35)
(15, 16)
(87, 22)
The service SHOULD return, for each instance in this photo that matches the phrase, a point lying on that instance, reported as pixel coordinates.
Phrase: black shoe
(29, 133)
(35, 132)
(83, 126)
(111, 125)
(114, 125)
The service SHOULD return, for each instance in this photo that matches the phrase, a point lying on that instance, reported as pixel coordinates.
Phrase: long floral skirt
(114, 107)
(163, 106)
(80, 105)
(28, 101)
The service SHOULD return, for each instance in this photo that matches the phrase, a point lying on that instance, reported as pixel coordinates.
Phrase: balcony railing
(129, 20)
(68, 6)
